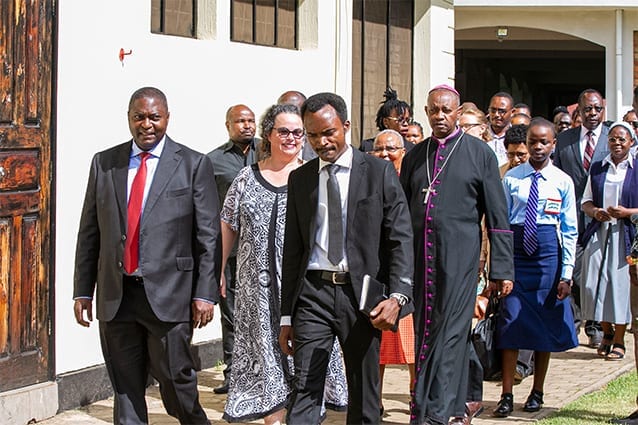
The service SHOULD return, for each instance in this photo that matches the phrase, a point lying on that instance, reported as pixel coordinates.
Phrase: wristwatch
(401, 299)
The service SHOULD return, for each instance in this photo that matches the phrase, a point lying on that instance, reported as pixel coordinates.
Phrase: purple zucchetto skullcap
(445, 87)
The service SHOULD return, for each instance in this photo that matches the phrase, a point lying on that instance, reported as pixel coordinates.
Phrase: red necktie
(589, 150)
(132, 245)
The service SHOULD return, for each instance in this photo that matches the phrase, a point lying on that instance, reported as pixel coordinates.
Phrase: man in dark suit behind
(572, 157)
(321, 284)
(156, 276)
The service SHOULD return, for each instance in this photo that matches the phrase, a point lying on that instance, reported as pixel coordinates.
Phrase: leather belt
(133, 279)
(336, 278)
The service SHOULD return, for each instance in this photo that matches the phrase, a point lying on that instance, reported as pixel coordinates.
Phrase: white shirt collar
(345, 160)
(629, 161)
(156, 151)
(596, 131)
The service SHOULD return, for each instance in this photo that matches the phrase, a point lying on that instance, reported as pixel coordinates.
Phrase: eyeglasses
(588, 109)
(511, 155)
(469, 125)
(389, 149)
(283, 132)
(402, 121)
(620, 140)
(499, 111)
(634, 124)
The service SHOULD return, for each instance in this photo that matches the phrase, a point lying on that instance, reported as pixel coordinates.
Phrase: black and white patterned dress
(261, 373)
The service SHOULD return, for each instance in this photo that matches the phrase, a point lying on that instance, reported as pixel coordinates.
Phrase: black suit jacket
(568, 157)
(180, 242)
(378, 229)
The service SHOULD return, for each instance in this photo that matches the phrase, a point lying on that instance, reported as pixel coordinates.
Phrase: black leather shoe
(534, 402)
(629, 420)
(222, 389)
(505, 406)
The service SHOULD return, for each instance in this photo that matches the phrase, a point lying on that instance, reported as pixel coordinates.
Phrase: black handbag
(483, 339)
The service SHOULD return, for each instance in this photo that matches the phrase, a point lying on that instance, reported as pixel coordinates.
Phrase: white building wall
(201, 78)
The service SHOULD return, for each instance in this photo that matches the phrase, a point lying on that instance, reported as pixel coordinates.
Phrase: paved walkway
(571, 375)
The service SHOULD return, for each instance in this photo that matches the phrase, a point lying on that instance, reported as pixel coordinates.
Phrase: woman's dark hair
(391, 103)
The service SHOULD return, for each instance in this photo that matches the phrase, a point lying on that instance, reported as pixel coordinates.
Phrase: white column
(618, 46)
(433, 50)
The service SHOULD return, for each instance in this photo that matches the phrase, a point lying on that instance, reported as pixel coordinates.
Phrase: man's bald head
(292, 97)
(240, 123)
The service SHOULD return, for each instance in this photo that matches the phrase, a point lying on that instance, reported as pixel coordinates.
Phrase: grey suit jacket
(378, 229)
(567, 157)
(180, 242)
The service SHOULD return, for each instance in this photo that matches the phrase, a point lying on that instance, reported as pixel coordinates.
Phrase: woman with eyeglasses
(474, 122)
(393, 114)
(610, 198)
(254, 211)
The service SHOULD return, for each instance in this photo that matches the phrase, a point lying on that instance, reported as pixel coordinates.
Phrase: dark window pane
(156, 16)
(178, 18)
(173, 17)
(286, 24)
(265, 20)
(242, 21)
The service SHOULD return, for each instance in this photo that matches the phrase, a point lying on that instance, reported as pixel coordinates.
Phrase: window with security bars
(264, 22)
(173, 17)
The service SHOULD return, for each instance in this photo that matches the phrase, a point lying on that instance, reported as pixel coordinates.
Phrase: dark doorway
(540, 68)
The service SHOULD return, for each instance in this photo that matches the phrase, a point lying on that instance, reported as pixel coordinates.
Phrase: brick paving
(571, 375)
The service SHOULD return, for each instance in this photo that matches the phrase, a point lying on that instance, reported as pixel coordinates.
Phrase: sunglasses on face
(283, 132)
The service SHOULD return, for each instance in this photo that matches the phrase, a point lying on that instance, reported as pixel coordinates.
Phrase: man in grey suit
(573, 156)
(346, 216)
(149, 241)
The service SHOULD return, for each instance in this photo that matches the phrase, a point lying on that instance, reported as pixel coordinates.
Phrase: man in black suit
(573, 156)
(334, 236)
(149, 241)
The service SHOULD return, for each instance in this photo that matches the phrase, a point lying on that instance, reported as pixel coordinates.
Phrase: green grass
(617, 399)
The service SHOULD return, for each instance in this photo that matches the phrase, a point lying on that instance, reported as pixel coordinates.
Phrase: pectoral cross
(428, 192)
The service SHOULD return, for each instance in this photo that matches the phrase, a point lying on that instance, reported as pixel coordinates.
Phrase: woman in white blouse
(610, 198)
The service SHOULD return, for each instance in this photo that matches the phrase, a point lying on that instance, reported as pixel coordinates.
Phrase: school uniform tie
(335, 223)
(134, 212)
(530, 241)
(589, 150)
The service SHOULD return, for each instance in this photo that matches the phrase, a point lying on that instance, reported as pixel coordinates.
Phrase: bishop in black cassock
(451, 181)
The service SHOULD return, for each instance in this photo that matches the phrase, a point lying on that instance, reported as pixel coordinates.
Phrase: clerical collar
(448, 138)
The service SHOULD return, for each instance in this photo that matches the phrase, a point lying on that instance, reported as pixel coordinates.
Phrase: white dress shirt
(319, 255)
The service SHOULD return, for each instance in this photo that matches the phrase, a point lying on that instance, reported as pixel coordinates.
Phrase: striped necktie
(530, 242)
(589, 150)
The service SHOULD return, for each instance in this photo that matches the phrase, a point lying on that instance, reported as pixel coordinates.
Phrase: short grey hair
(393, 132)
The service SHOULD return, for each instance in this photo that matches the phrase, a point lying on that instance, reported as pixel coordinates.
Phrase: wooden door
(26, 57)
